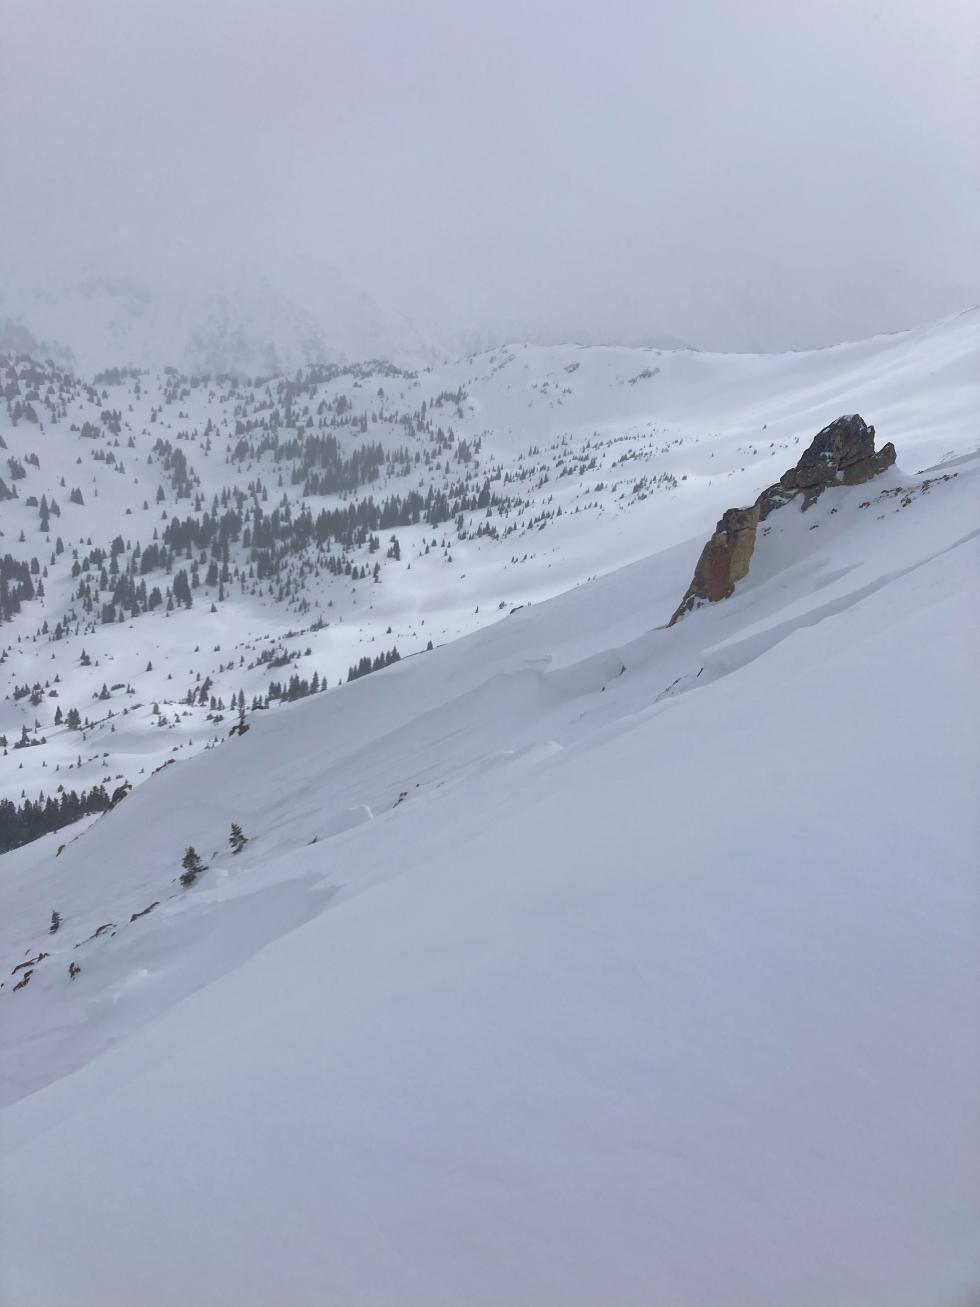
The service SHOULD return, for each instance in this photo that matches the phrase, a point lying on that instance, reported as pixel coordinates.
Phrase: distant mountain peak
(240, 321)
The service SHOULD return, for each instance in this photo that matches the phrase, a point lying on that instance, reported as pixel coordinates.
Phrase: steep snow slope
(576, 961)
(596, 457)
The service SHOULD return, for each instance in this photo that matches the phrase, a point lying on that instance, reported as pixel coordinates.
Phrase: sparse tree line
(366, 665)
(192, 864)
(317, 460)
(270, 539)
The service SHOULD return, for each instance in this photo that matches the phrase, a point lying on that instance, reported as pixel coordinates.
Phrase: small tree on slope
(193, 866)
(236, 839)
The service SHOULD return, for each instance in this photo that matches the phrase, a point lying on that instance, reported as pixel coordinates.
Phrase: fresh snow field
(574, 961)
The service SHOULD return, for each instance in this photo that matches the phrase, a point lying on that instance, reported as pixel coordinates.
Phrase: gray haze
(738, 174)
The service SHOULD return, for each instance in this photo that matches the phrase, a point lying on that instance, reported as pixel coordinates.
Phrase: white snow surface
(578, 960)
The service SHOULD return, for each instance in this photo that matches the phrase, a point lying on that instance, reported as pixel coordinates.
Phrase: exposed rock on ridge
(842, 454)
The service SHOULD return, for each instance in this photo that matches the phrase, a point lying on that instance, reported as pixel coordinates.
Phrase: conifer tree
(237, 839)
(193, 866)
(55, 922)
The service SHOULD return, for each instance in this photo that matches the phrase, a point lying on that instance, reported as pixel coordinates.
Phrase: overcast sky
(736, 173)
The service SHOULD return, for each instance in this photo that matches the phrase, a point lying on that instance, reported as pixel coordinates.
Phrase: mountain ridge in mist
(241, 322)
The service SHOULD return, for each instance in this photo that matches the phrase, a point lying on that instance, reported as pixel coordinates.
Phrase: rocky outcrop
(842, 454)
(724, 559)
(119, 793)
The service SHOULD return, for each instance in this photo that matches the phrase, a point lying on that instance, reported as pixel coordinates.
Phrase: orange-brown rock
(842, 454)
(724, 559)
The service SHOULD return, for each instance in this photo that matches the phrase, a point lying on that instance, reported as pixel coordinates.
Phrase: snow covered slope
(576, 960)
(536, 469)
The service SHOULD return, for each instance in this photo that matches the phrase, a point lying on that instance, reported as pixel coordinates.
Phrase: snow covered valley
(576, 959)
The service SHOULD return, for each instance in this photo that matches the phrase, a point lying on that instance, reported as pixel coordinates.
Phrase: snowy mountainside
(241, 321)
(578, 959)
(470, 490)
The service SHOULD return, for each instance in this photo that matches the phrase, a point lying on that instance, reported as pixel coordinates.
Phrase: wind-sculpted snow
(575, 960)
